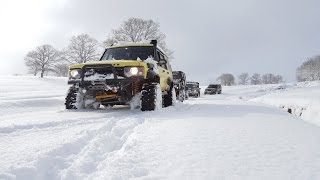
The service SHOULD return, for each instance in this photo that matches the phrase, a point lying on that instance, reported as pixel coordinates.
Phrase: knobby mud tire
(149, 97)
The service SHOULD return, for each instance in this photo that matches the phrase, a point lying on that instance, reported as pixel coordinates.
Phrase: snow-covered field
(228, 136)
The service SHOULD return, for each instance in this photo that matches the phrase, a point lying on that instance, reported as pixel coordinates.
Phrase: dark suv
(179, 81)
(213, 89)
(193, 89)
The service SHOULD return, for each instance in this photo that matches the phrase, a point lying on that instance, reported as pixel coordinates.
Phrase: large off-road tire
(170, 98)
(151, 97)
(186, 96)
(74, 98)
(181, 96)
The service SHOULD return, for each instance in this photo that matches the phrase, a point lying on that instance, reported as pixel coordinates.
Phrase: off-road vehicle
(193, 89)
(136, 74)
(179, 81)
(213, 89)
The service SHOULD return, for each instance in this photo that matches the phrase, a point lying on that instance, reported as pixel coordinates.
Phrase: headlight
(74, 74)
(133, 71)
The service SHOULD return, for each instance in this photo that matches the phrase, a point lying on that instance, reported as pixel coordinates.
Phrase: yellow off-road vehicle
(136, 74)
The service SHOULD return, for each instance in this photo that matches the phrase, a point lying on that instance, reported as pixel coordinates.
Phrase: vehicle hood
(115, 63)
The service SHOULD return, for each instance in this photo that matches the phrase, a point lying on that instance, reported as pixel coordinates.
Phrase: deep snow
(212, 137)
(302, 99)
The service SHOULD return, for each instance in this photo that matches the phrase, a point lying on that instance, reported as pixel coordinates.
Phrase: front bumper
(116, 89)
(193, 93)
(210, 92)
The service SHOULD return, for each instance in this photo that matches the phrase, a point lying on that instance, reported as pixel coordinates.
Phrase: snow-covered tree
(309, 70)
(138, 30)
(243, 78)
(256, 79)
(82, 48)
(42, 59)
(226, 79)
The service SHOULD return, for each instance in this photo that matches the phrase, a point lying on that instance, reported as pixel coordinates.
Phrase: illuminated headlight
(74, 74)
(133, 71)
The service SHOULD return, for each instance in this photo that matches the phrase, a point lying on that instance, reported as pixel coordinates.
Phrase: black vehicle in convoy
(193, 89)
(179, 82)
(213, 89)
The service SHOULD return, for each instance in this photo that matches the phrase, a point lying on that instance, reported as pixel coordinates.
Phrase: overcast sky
(209, 37)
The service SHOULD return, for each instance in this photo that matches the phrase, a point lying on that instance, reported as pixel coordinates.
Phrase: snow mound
(303, 101)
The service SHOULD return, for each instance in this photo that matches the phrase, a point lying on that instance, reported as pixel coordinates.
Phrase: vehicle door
(164, 71)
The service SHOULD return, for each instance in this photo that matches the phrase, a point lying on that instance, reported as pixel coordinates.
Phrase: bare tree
(226, 79)
(42, 59)
(244, 78)
(309, 70)
(255, 79)
(61, 69)
(138, 30)
(271, 79)
(267, 78)
(277, 79)
(33, 67)
(82, 48)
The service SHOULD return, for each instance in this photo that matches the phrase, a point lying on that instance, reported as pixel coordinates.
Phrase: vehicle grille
(104, 70)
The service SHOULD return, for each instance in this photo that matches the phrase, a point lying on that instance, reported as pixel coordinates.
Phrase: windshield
(128, 53)
(213, 86)
(191, 85)
(176, 75)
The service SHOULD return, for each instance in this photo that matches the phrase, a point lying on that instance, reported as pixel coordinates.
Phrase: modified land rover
(136, 74)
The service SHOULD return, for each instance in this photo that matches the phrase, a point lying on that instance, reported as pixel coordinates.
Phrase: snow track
(212, 137)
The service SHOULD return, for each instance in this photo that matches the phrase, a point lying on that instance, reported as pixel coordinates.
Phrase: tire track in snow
(76, 120)
(84, 153)
(51, 124)
(104, 145)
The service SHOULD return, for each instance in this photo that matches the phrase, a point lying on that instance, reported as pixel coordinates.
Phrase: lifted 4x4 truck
(136, 74)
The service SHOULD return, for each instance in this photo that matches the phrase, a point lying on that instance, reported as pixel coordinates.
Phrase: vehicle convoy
(179, 81)
(136, 74)
(193, 89)
(213, 89)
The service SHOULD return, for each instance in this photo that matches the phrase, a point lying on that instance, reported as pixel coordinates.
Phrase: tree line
(46, 59)
(228, 79)
(82, 48)
(309, 70)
